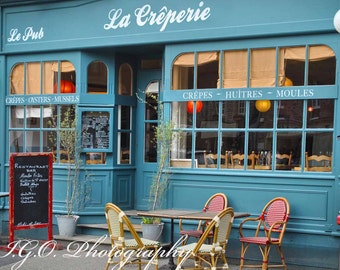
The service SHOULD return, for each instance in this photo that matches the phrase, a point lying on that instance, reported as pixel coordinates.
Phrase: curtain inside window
(266, 68)
(32, 112)
(316, 53)
(235, 69)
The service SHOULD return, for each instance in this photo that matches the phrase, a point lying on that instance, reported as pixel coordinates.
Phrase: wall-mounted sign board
(96, 130)
(30, 192)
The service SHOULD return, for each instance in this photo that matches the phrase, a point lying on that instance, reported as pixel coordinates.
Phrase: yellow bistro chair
(206, 255)
(116, 219)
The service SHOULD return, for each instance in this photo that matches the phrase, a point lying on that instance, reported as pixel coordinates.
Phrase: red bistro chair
(271, 226)
(215, 203)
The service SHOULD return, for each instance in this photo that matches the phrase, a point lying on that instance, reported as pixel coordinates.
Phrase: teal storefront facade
(101, 58)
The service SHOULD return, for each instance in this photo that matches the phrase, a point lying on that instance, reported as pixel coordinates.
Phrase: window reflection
(320, 113)
(289, 113)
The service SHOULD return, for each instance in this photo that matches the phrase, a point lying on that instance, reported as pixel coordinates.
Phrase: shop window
(263, 134)
(39, 127)
(125, 80)
(34, 78)
(97, 78)
(262, 67)
(124, 134)
(267, 135)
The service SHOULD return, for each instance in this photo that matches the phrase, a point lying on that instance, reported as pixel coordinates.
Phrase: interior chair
(208, 254)
(320, 163)
(270, 228)
(237, 161)
(212, 159)
(116, 220)
(284, 160)
(215, 203)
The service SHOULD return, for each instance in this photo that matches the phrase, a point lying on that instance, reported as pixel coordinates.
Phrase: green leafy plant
(151, 220)
(163, 137)
(79, 182)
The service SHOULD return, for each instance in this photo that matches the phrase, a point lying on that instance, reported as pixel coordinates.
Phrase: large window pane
(125, 80)
(32, 141)
(125, 146)
(263, 67)
(150, 149)
(183, 72)
(320, 113)
(97, 78)
(289, 113)
(206, 114)
(235, 69)
(207, 70)
(288, 143)
(261, 114)
(233, 114)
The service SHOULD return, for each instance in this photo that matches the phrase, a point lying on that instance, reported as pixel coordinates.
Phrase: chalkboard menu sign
(96, 130)
(30, 190)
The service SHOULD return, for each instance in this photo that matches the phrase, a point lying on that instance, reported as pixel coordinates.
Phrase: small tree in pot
(163, 136)
(78, 191)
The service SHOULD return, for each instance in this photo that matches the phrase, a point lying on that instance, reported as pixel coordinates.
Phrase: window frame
(220, 94)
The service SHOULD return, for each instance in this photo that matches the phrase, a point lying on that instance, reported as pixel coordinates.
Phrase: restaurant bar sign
(30, 193)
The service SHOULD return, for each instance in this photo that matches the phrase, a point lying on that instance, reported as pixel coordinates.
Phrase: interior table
(173, 214)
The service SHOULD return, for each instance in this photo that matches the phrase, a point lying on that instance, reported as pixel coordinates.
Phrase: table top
(165, 213)
(4, 194)
(186, 214)
(210, 215)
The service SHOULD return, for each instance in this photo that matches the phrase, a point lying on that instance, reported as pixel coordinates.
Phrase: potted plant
(78, 184)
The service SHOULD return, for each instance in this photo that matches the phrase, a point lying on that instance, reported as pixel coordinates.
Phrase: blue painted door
(148, 85)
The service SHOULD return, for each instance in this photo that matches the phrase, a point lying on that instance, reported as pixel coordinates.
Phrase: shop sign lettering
(249, 94)
(53, 99)
(29, 34)
(145, 15)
